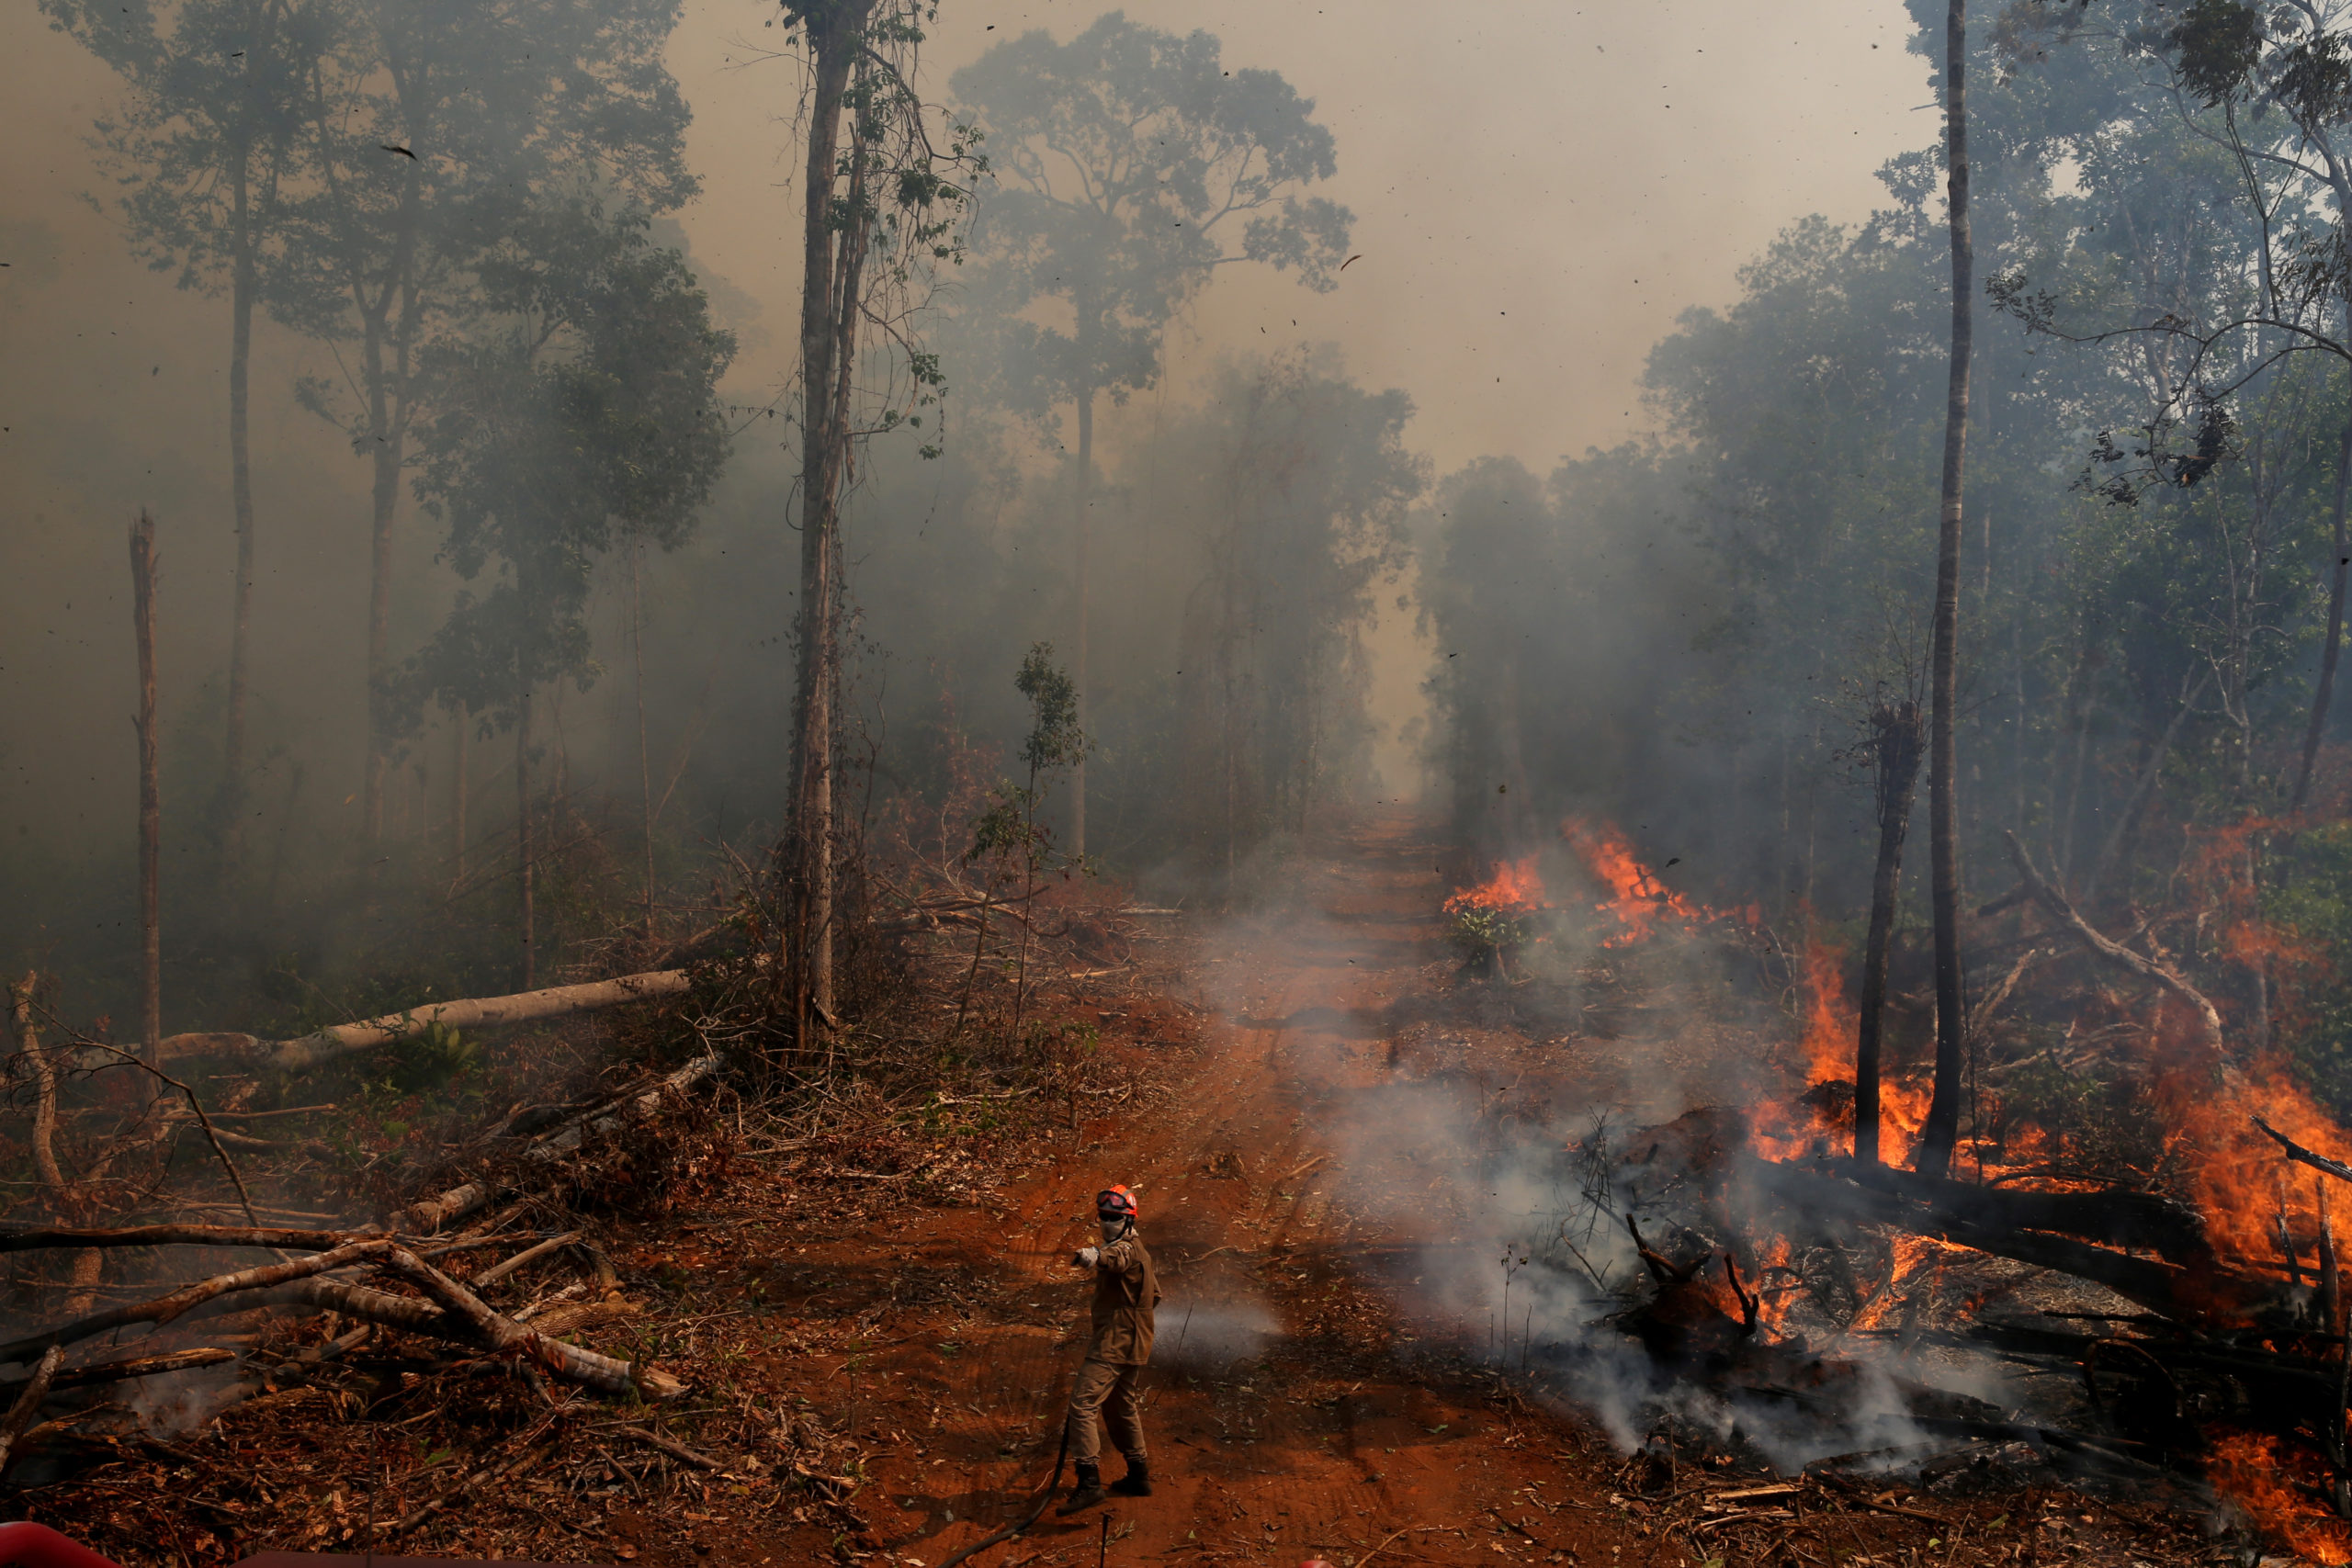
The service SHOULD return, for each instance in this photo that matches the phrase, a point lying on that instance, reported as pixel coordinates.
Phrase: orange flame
(1635, 898)
(1829, 1019)
(2255, 1469)
(2235, 1172)
(1515, 888)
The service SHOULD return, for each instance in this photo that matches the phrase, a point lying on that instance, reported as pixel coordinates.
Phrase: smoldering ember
(911, 785)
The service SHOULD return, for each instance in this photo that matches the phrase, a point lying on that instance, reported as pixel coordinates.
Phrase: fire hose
(1036, 1509)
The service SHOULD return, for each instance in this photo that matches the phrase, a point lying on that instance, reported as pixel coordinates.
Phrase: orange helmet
(1114, 1204)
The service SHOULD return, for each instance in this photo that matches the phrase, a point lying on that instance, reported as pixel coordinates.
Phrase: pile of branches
(128, 1245)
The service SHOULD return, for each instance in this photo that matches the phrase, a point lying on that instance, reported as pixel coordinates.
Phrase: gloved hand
(1086, 1257)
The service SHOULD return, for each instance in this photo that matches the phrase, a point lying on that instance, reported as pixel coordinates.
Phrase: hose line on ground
(1035, 1511)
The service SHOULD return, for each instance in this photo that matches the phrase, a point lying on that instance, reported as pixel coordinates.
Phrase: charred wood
(2195, 1292)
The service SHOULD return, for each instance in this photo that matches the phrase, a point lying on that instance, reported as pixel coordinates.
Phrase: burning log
(2193, 1292)
(2120, 1218)
(2302, 1155)
(1682, 1322)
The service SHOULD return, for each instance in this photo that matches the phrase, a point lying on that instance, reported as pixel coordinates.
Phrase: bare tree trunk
(523, 845)
(2331, 651)
(151, 794)
(241, 488)
(20, 1000)
(88, 1263)
(1942, 1129)
(387, 392)
(644, 757)
(384, 494)
(1894, 737)
(458, 792)
(834, 254)
(1078, 664)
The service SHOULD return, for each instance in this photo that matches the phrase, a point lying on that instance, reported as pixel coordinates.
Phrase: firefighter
(1126, 1292)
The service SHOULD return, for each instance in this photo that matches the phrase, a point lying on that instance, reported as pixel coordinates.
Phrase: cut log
(481, 1012)
(42, 1237)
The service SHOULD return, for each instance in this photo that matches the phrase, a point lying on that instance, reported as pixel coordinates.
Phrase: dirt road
(1326, 1385)
(1293, 1412)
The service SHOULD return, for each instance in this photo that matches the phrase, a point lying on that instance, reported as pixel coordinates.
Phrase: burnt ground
(879, 1354)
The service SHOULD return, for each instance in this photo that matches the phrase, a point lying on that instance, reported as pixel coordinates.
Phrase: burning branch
(2302, 1155)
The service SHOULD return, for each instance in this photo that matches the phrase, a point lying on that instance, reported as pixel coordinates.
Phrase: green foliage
(1007, 829)
(577, 409)
(1054, 741)
(1119, 163)
(1482, 934)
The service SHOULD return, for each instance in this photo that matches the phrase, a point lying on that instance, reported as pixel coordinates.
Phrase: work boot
(1086, 1490)
(1137, 1483)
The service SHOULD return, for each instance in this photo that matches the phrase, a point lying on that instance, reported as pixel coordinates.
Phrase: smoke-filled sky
(1540, 190)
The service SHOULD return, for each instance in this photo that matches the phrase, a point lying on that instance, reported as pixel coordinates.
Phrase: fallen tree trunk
(20, 1415)
(2295, 1151)
(38, 1238)
(2117, 1218)
(2195, 1292)
(481, 1012)
(128, 1368)
(163, 1309)
(494, 1331)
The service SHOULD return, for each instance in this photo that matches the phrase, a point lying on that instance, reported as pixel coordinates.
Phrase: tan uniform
(1126, 1292)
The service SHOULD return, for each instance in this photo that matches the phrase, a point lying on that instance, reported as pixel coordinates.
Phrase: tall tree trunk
(240, 488)
(1942, 1129)
(1895, 747)
(832, 257)
(384, 494)
(151, 795)
(1078, 664)
(523, 847)
(644, 756)
(387, 393)
(457, 793)
(2331, 651)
